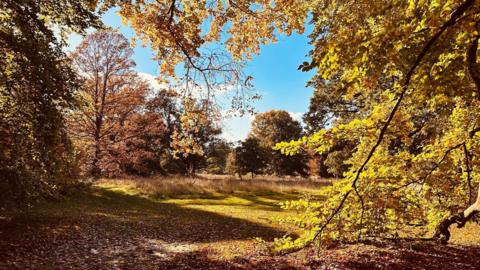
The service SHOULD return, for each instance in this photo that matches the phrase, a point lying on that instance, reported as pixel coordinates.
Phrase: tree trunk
(442, 232)
(191, 169)
(95, 171)
(97, 154)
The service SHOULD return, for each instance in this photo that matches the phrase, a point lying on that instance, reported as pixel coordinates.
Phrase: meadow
(186, 223)
(148, 222)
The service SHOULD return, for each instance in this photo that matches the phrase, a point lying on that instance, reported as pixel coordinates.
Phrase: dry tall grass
(208, 184)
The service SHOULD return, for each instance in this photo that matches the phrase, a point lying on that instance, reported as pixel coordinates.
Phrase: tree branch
(469, 172)
(453, 19)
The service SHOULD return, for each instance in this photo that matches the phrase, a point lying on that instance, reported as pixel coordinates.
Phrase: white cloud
(297, 116)
(152, 80)
(236, 128)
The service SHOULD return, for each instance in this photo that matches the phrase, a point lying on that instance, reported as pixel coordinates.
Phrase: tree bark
(473, 67)
(95, 171)
(191, 169)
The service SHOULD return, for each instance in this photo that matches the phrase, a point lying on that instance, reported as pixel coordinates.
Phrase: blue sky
(275, 74)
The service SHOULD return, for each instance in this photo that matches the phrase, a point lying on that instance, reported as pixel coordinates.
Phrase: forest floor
(119, 227)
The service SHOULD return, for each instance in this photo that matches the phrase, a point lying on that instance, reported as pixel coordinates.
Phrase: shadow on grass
(203, 260)
(134, 215)
(103, 226)
(401, 254)
(406, 255)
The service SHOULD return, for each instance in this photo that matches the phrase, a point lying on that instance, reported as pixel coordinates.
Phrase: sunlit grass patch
(469, 235)
(127, 189)
(257, 205)
(174, 187)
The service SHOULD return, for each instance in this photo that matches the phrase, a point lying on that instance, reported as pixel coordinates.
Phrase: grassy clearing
(118, 225)
(255, 202)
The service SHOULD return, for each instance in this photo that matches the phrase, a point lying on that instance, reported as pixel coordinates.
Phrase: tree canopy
(189, 32)
(406, 73)
(113, 94)
(250, 157)
(37, 86)
(272, 127)
(197, 128)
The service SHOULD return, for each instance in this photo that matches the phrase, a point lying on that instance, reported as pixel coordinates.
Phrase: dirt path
(108, 230)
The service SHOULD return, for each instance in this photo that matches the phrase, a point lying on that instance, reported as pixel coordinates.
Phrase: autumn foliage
(37, 87)
(110, 120)
(408, 94)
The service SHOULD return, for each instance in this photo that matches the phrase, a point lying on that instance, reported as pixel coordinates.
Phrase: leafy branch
(454, 18)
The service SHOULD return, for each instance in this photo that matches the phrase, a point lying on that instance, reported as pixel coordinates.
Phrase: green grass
(129, 226)
(259, 207)
(175, 187)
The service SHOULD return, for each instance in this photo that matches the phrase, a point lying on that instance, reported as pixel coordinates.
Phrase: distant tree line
(125, 127)
(256, 154)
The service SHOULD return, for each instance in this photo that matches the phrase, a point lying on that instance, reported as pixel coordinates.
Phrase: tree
(37, 87)
(216, 155)
(335, 158)
(272, 127)
(189, 32)
(166, 105)
(113, 93)
(250, 157)
(197, 128)
(326, 109)
(231, 166)
(140, 151)
(409, 68)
